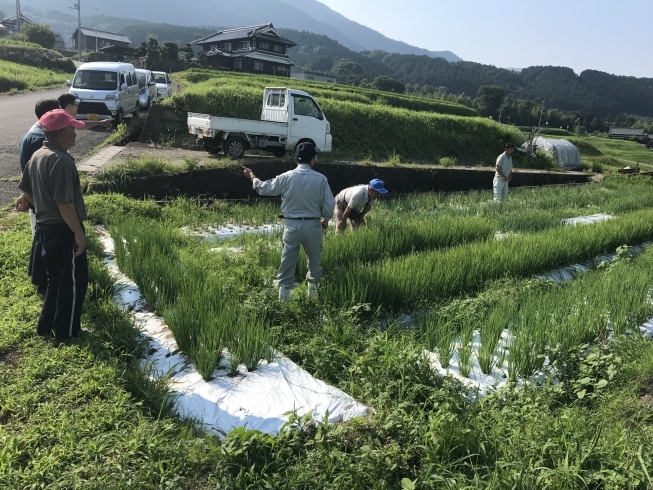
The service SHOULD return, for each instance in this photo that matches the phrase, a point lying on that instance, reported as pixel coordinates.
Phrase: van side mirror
(151, 84)
(321, 118)
(123, 86)
(69, 83)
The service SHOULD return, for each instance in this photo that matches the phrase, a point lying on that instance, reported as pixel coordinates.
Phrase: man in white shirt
(355, 202)
(307, 205)
(503, 173)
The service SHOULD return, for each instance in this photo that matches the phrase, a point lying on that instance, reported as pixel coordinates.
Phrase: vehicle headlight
(111, 97)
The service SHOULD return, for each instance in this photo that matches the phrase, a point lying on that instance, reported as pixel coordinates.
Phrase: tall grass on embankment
(382, 129)
(15, 77)
(328, 91)
(432, 276)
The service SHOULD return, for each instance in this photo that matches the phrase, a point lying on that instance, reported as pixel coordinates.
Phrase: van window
(305, 106)
(141, 79)
(129, 80)
(277, 100)
(160, 78)
(95, 80)
(122, 79)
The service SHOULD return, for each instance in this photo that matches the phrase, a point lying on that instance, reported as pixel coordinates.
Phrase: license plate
(200, 133)
(93, 117)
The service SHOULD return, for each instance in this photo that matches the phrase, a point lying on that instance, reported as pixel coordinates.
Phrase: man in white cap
(307, 205)
(51, 184)
(355, 202)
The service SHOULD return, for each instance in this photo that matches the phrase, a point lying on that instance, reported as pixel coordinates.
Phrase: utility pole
(541, 111)
(79, 27)
(17, 15)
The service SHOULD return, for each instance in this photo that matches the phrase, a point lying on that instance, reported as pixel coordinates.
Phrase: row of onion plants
(204, 316)
(402, 283)
(518, 331)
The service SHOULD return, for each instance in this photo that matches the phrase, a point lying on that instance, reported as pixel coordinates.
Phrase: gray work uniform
(504, 162)
(306, 198)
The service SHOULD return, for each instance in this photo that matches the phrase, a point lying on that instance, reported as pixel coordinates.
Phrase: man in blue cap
(355, 202)
(307, 205)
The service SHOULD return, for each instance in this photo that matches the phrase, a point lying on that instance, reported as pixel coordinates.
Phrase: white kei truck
(289, 117)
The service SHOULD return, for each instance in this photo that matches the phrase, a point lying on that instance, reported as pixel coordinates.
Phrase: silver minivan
(146, 88)
(105, 91)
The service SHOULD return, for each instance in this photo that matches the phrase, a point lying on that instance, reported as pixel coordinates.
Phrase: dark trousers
(36, 268)
(67, 281)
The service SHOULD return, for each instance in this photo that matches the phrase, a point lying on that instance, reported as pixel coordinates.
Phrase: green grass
(81, 415)
(612, 153)
(15, 77)
(16, 42)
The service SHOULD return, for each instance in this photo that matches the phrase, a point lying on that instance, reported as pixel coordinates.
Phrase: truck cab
(288, 117)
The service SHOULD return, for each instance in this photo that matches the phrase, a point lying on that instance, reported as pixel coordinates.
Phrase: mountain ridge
(291, 14)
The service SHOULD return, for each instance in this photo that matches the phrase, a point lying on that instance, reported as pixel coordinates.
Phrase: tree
(40, 34)
(170, 51)
(489, 99)
(346, 67)
(187, 52)
(388, 84)
(202, 59)
(152, 48)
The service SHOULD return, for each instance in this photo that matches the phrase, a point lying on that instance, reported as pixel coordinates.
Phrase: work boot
(284, 294)
(312, 291)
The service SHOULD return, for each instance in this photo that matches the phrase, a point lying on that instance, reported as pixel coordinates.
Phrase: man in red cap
(51, 184)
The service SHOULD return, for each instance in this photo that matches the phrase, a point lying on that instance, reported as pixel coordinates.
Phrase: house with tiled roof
(254, 49)
(96, 39)
(627, 133)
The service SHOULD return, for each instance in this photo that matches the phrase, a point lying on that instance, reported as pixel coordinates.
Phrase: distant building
(9, 23)
(309, 75)
(95, 39)
(59, 43)
(255, 49)
(627, 133)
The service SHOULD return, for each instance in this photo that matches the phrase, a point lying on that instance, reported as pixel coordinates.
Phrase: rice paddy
(428, 256)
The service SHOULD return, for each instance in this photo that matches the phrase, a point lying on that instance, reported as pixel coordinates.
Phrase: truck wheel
(279, 153)
(235, 147)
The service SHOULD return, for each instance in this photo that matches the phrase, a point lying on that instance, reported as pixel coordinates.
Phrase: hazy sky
(608, 35)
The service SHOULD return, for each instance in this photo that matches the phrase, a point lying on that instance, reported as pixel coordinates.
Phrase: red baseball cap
(58, 119)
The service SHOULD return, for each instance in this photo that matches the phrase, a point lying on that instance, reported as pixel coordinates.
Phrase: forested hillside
(604, 94)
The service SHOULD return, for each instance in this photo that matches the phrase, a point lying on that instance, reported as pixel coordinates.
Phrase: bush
(448, 162)
(388, 84)
(40, 34)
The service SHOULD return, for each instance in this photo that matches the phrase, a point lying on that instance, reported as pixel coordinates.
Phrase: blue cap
(378, 186)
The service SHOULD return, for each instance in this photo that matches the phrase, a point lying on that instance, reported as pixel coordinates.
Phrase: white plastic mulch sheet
(480, 384)
(255, 400)
(213, 234)
(587, 220)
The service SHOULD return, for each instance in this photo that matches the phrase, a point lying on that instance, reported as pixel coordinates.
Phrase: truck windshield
(160, 78)
(305, 106)
(96, 80)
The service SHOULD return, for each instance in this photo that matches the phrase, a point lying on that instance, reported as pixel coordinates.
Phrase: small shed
(626, 133)
(565, 152)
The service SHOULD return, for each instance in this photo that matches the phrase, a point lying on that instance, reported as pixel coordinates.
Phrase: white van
(105, 91)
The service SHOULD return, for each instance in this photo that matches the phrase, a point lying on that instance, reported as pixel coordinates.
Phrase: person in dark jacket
(31, 142)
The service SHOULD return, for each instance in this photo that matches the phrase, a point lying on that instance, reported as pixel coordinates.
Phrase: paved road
(17, 116)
